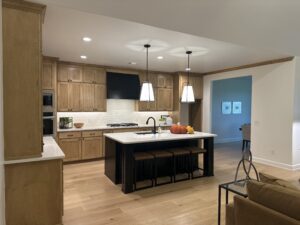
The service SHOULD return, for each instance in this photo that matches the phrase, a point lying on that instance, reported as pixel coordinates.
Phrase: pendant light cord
(147, 46)
(188, 69)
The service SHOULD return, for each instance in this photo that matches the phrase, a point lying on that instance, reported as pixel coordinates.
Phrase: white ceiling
(117, 42)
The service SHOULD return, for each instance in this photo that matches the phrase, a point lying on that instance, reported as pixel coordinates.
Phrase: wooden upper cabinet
(49, 75)
(165, 80)
(197, 83)
(74, 97)
(100, 98)
(152, 78)
(69, 73)
(94, 75)
(88, 96)
(149, 106)
(22, 74)
(165, 99)
(63, 96)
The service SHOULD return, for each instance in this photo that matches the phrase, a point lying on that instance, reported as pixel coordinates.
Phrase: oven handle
(48, 117)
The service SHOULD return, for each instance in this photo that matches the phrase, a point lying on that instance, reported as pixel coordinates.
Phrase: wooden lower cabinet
(71, 147)
(81, 145)
(34, 193)
(91, 148)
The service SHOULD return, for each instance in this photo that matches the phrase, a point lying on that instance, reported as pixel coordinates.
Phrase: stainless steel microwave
(48, 101)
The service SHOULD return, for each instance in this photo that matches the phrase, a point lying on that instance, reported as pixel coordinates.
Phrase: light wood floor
(91, 199)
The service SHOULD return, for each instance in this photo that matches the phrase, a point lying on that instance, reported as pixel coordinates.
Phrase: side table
(236, 187)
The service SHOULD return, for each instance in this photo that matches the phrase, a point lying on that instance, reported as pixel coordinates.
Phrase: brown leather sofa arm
(247, 212)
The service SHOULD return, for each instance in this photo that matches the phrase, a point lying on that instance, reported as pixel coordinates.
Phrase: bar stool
(177, 154)
(142, 157)
(195, 151)
(159, 155)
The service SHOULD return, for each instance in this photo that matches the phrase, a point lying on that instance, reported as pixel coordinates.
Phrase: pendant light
(188, 93)
(147, 94)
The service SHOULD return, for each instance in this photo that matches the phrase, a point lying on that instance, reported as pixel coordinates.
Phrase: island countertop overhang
(133, 138)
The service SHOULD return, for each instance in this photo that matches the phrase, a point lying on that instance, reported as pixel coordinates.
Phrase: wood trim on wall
(250, 65)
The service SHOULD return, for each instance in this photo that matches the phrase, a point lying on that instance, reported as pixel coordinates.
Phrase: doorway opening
(230, 108)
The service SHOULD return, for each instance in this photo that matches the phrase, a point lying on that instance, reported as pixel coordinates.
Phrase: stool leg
(135, 175)
(174, 168)
(155, 171)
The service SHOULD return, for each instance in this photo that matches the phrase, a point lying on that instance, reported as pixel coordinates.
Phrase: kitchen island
(120, 147)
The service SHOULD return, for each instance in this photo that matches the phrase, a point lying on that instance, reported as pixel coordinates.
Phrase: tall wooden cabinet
(22, 61)
(33, 189)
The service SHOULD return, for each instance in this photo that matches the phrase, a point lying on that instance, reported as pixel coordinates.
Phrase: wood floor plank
(91, 199)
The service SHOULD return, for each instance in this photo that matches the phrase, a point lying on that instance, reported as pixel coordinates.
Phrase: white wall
(117, 111)
(272, 111)
(2, 213)
(296, 122)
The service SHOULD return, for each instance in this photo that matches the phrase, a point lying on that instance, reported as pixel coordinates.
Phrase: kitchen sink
(144, 132)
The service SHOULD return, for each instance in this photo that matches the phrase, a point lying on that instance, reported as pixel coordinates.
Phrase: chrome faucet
(154, 127)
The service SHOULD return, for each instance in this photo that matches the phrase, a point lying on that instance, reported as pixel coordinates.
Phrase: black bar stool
(142, 157)
(195, 151)
(180, 153)
(159, 155)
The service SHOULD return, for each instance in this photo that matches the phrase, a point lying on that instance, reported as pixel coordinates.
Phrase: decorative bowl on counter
(78, 125)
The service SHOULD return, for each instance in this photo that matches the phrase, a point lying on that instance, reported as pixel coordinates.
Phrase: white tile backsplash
(118, 111)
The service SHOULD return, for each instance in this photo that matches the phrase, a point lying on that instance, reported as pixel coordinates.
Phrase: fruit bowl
(78, 125)
(179, 129)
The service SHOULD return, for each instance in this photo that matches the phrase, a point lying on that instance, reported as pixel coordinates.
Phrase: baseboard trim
(227, 140)
(276, 164)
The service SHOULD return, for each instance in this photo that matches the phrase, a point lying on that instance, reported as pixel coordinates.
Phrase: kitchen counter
(120, 149)
(107, 128)
(51, 151)
(133, 138)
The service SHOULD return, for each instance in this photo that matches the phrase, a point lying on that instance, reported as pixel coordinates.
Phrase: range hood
(122, 86)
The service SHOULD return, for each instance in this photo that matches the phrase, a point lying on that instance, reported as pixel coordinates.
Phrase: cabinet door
(62, 74)
(71, 73)
(149, 106)
(62, 97)
(74, 97)
(161, 80)
(75, 73)
(100, 76)
(88, 96)
(48, 81)
(71, 148)
(92, 148)
(89, 74)
(165, 99)
(169, 80)
(100, 98)
(197, 87)
(152, 78)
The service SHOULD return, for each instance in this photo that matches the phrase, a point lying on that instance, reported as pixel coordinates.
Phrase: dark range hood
(123, 86)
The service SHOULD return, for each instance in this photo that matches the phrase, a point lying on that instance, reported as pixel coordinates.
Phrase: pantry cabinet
(164, 81)
(49, 73)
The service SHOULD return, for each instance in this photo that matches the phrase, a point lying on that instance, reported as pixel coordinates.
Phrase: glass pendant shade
(187, 94)
(147, 94)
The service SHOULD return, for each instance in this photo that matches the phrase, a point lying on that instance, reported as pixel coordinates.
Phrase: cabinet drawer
(75, 134)
(91, 133)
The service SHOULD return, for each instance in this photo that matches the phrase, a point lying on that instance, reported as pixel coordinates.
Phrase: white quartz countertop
(85, 128)
(133, 138)
(51, 151)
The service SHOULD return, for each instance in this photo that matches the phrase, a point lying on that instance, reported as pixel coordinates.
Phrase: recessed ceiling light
(83, 57)
(160, 57)
(87, 39)
(188, 69)
(132, 63)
